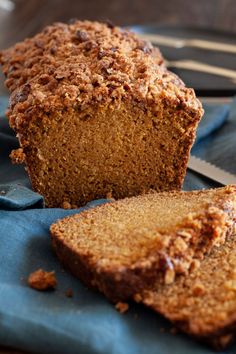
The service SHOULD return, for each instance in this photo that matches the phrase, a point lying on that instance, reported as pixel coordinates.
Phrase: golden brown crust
(73, 65)
(177, 250)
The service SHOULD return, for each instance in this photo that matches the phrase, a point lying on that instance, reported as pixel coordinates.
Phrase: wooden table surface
(22, 18)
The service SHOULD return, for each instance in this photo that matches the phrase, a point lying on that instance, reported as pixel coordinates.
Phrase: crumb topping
(76, 64)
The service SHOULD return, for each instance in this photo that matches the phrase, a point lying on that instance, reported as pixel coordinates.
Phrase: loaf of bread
(204, 303)
(96, 112)
(126, 246)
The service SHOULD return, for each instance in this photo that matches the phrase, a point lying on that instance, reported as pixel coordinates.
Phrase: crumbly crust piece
(122, 307)
(74, 65)
(137, 258)
(42, 280)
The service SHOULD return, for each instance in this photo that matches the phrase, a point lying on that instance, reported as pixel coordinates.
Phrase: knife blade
(211, 171)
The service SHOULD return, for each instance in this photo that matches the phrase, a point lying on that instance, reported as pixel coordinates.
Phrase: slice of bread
(204, 303)
(125, 246)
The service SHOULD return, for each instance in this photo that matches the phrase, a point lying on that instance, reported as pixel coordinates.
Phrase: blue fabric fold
(214, 118)
(17, 197)
(86, 323)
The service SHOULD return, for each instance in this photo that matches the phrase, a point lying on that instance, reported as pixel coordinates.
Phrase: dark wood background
(29, 16)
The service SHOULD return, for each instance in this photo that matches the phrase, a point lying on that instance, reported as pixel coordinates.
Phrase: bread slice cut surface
(128, 245)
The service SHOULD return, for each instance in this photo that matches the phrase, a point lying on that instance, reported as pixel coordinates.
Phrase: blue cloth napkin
(86, 323)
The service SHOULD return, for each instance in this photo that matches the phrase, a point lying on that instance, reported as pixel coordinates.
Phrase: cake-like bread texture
(203, 304)
(128, 245)
(96, 111)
